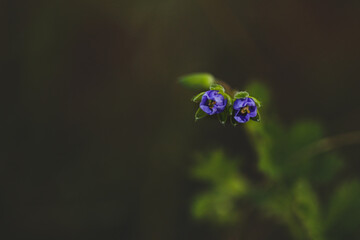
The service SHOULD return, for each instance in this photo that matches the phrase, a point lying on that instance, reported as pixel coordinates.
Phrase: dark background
(98, 136)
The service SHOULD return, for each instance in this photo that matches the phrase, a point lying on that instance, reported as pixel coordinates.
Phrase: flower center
(245, 110)
(211, 103)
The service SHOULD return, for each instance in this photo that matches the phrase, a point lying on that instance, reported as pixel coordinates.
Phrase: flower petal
(218, 98)
(206, 109)
(214, 111)
(253, 111)
(239, 103)
(250, 102)
(211, 94)
(219, 109)
(222, 103)
(204, 99)
(242, 118)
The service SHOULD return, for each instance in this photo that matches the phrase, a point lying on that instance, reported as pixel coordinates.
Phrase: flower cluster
(239, 108)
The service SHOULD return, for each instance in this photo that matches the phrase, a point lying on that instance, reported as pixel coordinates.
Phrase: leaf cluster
(291, 191)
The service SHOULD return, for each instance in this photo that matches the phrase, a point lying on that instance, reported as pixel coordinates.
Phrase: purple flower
(213, 102)
(245, 108)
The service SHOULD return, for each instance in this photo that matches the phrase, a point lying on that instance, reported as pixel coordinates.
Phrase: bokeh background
(99, 138)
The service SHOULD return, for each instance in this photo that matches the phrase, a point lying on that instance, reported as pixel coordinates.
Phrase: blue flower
(212, 102)
(245, 108)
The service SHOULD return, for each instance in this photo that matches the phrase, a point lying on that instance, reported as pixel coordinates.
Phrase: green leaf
(256, 118)
(197, 80)
(200, 114)
(227, 185)
(241, 94)
(223, 116)
(198, 97)
(257, 102)
(228, 98)
(229, 103)
(217, 87)
(307, 208)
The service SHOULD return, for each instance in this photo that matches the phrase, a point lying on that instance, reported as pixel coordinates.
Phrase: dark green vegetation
(295, 169)
(99, 138)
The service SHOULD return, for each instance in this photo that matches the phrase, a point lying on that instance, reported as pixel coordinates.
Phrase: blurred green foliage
(290, 192)
(199, 81)
(227, 185)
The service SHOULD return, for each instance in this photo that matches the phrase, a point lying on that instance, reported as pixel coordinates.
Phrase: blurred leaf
(198, 97)
(197, 80)
(215, 207)
(277, 203)
(307, 208)
(264, 137)
(214, 167)
(217, 87)
(344, 212)
(278, 150)
(325, 167)
(303, 133)
(227, 185)
(290, 150)
(200, 114)
(242, 94)
(260, 90)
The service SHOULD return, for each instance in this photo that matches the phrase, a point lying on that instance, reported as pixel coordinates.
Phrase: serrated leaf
(217, 87)
(257, 102)
(198, 97)
(223, 117)
(197, 80)
(256, 118)
(241, 94)
(200, 114)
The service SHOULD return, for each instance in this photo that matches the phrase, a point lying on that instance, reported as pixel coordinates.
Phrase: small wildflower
(245, 108)
(212, 102)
